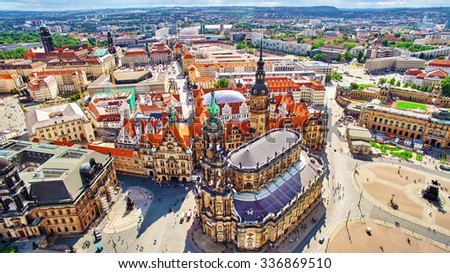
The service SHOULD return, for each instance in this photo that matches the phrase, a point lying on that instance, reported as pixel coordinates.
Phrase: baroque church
(253, 194)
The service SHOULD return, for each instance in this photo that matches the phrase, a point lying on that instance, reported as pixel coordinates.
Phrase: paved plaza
(384, 183)
(153, 226)
(354, 238)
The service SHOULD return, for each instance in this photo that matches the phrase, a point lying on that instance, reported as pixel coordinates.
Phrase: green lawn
(406, 105)
(395, 151)
(361, 86)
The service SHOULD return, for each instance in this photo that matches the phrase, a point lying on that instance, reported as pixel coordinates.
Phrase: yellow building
(9, 82)
(186, 62)
(261, 193)
(21, 67)
(259, 101)
(65, 122)
(433, 130)
(48, 189)
(125, 161)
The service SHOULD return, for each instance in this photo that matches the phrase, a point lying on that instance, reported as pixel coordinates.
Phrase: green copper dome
(213, 108)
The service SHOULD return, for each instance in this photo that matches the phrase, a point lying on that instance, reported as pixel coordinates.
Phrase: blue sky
(99, 4)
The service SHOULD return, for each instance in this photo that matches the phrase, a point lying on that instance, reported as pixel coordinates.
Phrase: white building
(42, 89)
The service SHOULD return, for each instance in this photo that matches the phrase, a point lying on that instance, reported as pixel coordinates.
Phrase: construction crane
(113, 81)
(172, 85)
(80, 93)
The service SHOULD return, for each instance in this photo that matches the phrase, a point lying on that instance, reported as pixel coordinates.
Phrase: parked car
(445, 167)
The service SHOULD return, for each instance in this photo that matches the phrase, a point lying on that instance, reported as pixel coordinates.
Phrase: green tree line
(13, 54)
(11, 37)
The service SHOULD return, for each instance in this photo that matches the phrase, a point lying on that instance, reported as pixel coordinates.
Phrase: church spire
(213, 108)
(172, 118)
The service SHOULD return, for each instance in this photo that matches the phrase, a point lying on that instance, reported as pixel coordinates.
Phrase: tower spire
(260, 61)
(172, 118)
(213, 108)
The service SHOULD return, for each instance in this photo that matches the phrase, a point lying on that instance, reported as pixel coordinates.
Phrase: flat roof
(257, 151)
(129, 75)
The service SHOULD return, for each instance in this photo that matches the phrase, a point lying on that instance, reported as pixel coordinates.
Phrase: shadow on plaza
(166, 199)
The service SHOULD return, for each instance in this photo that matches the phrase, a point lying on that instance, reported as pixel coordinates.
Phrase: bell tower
(214, 153)
(259, 99)
(46, 38)
(214, 198)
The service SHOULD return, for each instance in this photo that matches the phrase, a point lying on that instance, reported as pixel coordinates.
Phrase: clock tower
(259, 99)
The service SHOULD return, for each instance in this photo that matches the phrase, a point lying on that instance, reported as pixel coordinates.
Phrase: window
(74, 228)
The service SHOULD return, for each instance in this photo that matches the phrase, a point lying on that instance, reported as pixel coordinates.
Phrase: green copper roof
(42, 25)
(213, 108)
(172, 118)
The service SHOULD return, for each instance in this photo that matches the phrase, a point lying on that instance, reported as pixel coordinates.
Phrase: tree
(422, 55)
(430, 88)
(336, 75)
(398, 83)
(397, 35)
(320, 57)
(406, 84)
(392, 81)
(360, 56)
(328, 78)
(414, 86)
(241, 45)
(222, 82)
(445, 85)
(339, 57)
(301, 39)
(385, 42)
(422, 88)
(382, 81)
(348, 55)
(350, 46)
(353, 85)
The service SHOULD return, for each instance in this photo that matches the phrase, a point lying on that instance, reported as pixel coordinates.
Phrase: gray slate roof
(258, 151)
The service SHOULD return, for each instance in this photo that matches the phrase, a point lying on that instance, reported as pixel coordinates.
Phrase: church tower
(111, 47)
(46, 38)
(214, 198)
(259, 99)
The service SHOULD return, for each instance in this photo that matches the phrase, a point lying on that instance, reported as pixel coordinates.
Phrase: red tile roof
(441, 63)
(112, 151)
(413, 72)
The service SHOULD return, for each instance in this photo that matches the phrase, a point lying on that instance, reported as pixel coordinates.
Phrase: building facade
(66, 122)
(62, 190)
(9, 82)
(68, 81)
(43, 88)
(433, 130)
(238, 207)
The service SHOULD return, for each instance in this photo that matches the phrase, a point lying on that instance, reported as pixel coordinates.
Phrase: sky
(47, 5)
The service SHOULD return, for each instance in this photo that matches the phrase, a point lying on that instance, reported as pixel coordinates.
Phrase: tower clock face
(254, 91)
(263, 92)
